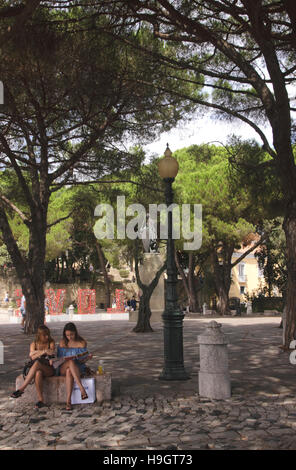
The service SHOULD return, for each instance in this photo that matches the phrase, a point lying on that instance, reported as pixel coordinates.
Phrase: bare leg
(47, 371)
(38, 384)
(30, 376)
(69, 385)
(74, 371)
(76, 374)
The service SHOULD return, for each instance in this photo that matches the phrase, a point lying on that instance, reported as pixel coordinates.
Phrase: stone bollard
(204, 309)
(214, 380)
(249, 308)
(71, 312)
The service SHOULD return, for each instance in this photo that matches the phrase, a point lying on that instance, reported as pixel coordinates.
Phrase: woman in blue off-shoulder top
(72, 345)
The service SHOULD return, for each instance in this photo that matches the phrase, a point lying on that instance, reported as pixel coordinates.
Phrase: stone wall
(11, 284)
(8, 283)
(148, 270)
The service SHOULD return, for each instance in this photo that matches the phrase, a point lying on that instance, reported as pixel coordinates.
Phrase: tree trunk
(143, 323)
(73, 273)
(193, 300)
(184, 278)
(34, 294)
(223, 279)
(93, 280)
(57, 269)
(188, 282)
(62, 271)
(30, 271)
(105, 274)
(289, 227)
(223, 301)
(36, 260)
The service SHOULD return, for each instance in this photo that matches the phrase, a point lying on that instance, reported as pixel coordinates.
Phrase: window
(241, 269)
(241, 272)
(242, 290)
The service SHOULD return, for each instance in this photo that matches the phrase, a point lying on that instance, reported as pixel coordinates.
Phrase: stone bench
(270, 312)
(54, 389)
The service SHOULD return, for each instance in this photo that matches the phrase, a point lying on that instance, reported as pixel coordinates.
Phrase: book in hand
(81, 357)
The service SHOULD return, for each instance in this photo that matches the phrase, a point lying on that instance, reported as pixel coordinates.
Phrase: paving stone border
(156, 423)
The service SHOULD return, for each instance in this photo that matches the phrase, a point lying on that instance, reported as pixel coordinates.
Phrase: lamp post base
(173, 347)
(174, 374)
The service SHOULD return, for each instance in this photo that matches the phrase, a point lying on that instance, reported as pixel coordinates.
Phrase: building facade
(247, 277)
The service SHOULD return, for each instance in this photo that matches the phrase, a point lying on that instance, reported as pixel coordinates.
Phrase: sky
(203, 130)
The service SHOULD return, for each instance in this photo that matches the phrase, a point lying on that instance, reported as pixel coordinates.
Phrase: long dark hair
(71, 327)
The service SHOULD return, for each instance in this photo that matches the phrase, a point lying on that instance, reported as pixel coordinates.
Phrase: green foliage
(254, 170)
(272, 257)
(261, 303)
(204, 178)
(4, 256)
(124, 273)
(58, 236)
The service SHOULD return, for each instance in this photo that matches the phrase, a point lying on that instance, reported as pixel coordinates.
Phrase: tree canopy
(229, 215)
(66, 116)
(243, 52)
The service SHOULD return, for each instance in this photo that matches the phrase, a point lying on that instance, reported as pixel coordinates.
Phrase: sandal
(16, 394)
(69, 407)
(40, 404)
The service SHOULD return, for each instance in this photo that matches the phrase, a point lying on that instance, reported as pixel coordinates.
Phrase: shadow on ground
(256, 363)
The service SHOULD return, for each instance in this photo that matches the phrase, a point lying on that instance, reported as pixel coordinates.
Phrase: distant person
(127, 306)
(6, 298)
(46, 306)
(133, 303)
(23, 311)
(185, 309)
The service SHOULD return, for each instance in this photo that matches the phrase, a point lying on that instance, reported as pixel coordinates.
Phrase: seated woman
(43, 346)
(70, 346)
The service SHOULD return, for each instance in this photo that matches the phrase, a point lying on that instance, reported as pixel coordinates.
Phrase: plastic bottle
(100, 370)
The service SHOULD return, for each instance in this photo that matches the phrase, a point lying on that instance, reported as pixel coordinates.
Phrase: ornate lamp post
(172, 315)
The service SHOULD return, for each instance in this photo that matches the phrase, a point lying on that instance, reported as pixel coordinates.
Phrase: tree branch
(12, 246)
(224, 110)
(18, 171)
(76, 183)
(15, 209)
(60, 220)
(262, 240)
(22, 13)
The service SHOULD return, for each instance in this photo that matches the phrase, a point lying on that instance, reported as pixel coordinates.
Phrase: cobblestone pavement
(146, 413)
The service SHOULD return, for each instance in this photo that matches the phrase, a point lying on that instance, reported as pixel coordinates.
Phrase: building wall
(251, 281)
